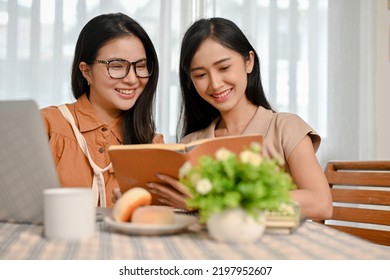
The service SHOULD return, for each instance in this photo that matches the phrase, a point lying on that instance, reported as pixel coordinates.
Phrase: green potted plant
(234, 192)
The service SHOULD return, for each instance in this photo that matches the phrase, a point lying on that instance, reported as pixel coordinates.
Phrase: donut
(154, 214)
(128, 202)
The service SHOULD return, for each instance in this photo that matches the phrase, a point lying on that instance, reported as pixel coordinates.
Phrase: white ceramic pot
(235, 225)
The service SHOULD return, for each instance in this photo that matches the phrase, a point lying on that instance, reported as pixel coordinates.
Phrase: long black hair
(138, 122)
(195, 112)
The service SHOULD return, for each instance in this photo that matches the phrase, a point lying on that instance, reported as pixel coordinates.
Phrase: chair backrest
(361, 198)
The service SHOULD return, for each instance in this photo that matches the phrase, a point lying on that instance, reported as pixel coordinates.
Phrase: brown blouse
(72, 165)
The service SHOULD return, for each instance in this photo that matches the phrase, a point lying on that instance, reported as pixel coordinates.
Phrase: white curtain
(350, 97)
(313, 56)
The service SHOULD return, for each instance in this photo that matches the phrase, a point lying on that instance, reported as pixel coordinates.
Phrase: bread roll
(155, 214)
(130, 200)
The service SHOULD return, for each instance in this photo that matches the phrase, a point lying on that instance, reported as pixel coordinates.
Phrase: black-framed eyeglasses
(119, 68)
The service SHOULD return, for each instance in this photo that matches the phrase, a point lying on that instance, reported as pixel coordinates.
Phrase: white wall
(382, 80)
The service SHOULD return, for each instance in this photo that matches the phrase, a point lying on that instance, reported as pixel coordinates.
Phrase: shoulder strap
(98, 185)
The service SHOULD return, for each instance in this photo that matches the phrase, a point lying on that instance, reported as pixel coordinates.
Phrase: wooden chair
(357, 187)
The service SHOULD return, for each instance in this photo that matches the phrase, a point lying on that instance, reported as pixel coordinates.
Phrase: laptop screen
(26, 163)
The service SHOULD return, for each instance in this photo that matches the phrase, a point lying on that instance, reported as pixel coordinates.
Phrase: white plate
(181, 223)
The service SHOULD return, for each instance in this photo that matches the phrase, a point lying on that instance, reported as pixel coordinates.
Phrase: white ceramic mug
(69, 213)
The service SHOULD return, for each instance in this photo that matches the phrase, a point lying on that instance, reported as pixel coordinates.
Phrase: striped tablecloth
(310, 241)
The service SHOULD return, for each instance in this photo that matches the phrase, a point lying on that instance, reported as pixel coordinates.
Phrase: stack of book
(284, 221)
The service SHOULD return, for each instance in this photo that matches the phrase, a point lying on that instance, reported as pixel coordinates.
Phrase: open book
(135, 165)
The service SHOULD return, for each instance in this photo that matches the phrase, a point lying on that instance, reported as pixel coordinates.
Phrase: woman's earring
(89, 83)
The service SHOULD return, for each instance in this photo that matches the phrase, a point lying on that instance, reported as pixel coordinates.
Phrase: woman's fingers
(175, 184)
(180, 204)
(116, 194)
(168, 195)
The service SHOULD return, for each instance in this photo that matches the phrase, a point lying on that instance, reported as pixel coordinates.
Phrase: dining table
(310, 241)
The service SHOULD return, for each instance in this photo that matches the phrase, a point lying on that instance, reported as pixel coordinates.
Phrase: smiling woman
(223, 95)
(114, 79)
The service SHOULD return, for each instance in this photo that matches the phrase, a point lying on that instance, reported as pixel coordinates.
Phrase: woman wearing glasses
(114, 79)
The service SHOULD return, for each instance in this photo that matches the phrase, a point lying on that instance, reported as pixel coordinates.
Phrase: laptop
(26, 162)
